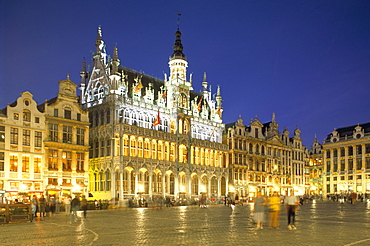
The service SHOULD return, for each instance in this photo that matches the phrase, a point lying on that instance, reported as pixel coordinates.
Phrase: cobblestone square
(320, 223)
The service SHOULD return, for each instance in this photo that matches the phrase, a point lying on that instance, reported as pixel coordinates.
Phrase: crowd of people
(271, 205)
(43, 206)
(350, 197)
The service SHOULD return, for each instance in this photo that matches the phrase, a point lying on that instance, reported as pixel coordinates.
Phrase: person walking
(274, 206)
(259, 210)
(34, 204)
(42, 206)
(75, 205)
(67, 204)
(291, 203)
(84, 205)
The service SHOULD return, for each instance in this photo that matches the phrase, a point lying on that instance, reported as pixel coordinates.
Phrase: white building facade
(152, 137)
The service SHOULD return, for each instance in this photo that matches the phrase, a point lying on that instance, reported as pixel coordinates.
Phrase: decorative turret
(178, 63)
(297, 133)
(99, 43)
(205, 83)
(178, 48)
(316, 147)
(219, 103)
(115, 60)
(100, 47)
(83, 75)
(273, 126)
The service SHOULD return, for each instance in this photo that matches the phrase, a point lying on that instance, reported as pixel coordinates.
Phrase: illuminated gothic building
(262, 159)
(346, 157)
(152, 137)
(315, 169)
(44, 148)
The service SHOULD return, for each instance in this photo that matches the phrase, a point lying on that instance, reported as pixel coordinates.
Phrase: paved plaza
(320, 223)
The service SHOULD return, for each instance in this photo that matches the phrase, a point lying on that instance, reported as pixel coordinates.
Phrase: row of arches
(130, 182)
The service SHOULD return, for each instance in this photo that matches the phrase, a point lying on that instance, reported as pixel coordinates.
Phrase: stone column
(121, 186)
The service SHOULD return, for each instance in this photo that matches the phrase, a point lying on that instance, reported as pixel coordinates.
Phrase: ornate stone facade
(262, 159)
(151, 137)
(346, 156)
(44, 148)
(316, 169)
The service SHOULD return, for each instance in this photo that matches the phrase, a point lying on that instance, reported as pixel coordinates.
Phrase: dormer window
(67, 114)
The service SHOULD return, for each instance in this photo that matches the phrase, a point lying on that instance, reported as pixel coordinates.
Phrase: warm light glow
(252, 189)
(231, 188)
(23, 187)
(140, 188)
(76, 187)
(182, 188)
(203, 188)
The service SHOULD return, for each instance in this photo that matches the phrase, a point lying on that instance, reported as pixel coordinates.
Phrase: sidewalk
(321, 223)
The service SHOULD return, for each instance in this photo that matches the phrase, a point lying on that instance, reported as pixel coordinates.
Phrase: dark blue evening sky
(308, 61)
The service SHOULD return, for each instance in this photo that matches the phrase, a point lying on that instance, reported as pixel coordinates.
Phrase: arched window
(194, 185)
(26, 115)
(185, 127)
(133, 146)
(183, 101)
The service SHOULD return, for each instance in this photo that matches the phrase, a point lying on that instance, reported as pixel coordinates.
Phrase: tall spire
(178, 48)
(273, 117)
(205, 83)
(99, 41)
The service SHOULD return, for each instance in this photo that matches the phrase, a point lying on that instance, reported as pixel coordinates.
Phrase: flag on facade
(157, 120)
(138, 87)
(218, 111)
(200, 104)
(210, 136)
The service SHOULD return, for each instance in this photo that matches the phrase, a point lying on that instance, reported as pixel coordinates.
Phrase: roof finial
(84, 65)
(115, 52)
(177, 48)
(178, 20)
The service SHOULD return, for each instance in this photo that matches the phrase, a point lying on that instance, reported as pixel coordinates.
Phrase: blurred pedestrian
(260, 210)
(75, 205)
(274, 207)
(84, 205)
(67, 204)
(52, 204)
(291, 202)
(34, 204)
(42, 206)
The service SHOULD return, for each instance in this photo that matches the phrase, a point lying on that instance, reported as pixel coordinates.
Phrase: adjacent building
(22, 131)
(315, 169)
(262, 159)
(152, 137)
(346, 158)
(44, 148)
